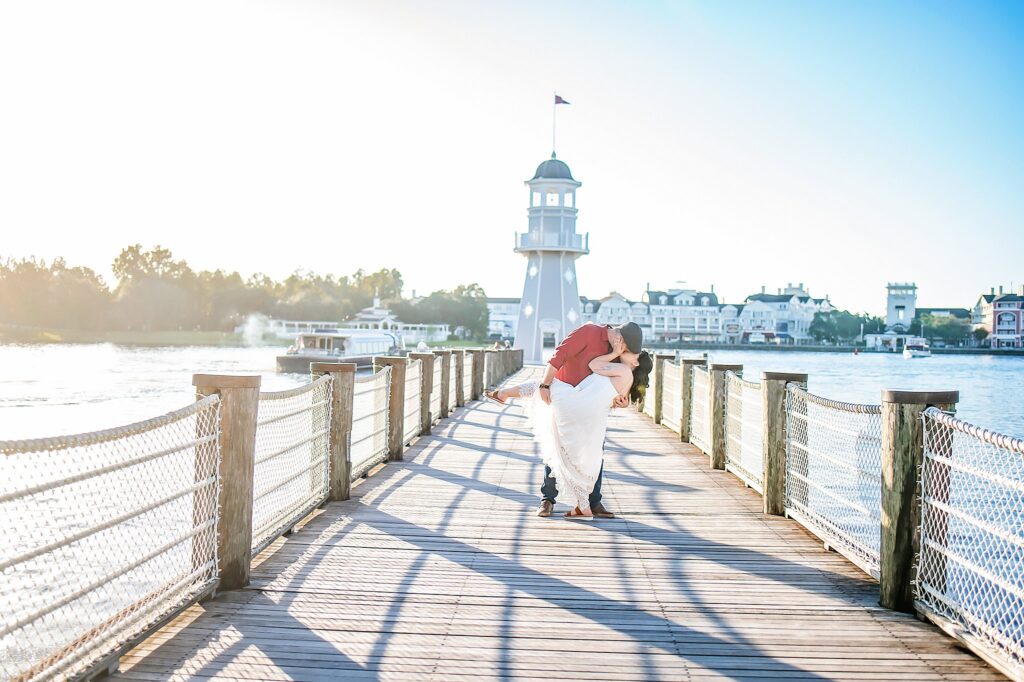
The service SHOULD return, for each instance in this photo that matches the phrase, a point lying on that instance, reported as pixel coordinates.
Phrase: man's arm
(571, 346)
(549, 376)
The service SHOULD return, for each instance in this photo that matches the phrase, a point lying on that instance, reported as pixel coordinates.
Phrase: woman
(571, 430)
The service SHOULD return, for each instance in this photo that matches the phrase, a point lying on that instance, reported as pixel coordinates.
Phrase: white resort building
(692, 316)
(373, 318)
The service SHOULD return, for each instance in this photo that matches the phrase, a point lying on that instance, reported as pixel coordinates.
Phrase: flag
(559, 100)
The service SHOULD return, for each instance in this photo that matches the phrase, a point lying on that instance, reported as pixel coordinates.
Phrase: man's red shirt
(572, 357)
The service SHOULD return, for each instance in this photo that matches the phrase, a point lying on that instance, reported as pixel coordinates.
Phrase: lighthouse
(550, 305)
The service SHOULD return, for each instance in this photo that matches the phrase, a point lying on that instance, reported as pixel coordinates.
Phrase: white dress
(570, 432)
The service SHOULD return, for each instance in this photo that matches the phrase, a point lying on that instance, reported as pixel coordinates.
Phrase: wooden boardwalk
(438, 569)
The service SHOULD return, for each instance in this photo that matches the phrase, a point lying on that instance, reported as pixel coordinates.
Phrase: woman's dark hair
(641, 377)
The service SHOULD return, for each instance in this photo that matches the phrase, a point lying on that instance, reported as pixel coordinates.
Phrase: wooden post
(491, 368)
(344, 383)
(426, 386)
(396, 403)
(517, 362)
(659, 390)
(445, 358)
(478, 374)
(902, 456)
(458, 365)
(686, 366)
(773, 438)
(239, 404)
(716, 409)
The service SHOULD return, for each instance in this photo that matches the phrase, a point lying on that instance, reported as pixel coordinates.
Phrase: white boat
(916, 350)
(338, 345)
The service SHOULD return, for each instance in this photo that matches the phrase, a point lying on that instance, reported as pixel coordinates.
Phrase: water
(55, 389)
(58, 389)
(991, 387)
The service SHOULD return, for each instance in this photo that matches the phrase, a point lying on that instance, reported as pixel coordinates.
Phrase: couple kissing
(595, 368)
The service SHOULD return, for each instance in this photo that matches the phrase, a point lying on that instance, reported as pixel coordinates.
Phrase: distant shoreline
(826, 349)
(16, 334)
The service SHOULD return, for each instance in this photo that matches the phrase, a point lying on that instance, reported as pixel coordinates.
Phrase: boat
(338, 345)
(916, 350)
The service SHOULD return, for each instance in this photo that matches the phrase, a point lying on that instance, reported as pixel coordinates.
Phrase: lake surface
(56, 389)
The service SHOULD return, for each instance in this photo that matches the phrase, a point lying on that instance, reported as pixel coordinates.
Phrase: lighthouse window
(535, 199)
(569, 199)
(552, 199)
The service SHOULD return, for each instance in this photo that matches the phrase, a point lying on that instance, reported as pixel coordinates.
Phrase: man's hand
(545, 395)
(621, 401)
(618, 344)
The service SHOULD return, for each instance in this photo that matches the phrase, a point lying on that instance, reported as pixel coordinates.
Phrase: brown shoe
(546, 507)
(599, 512)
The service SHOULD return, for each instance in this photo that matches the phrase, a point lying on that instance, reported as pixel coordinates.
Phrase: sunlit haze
(734, 144)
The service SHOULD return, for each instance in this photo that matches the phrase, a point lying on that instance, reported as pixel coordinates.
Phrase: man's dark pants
(549, 491)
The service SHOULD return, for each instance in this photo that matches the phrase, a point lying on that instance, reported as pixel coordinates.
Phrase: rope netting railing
(105, 534)
(435, 392)
(411, 410)
(291, 459)
(453, 379)
(700, 414)
(370, 399)
(834, 473)
(650, 394)
(744, 449)
(467, 377)
(671, 388)
(971, 567)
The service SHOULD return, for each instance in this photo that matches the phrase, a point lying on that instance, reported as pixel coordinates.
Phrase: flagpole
(554, 110)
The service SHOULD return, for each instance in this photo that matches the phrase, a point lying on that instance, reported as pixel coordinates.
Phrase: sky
(734, 144)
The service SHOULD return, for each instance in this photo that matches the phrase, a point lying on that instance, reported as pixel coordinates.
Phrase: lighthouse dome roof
(552, 169)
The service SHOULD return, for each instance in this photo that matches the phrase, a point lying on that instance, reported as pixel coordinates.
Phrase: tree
(951, 330)
(465, 306)
(839, 325)
(980, 334)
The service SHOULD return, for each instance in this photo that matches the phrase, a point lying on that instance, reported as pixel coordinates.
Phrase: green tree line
(840, 326)
(156, 292)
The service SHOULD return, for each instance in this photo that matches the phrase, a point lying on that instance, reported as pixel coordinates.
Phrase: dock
(437, 568)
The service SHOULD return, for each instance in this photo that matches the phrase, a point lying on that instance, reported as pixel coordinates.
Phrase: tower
(550, 306)
(901, 307)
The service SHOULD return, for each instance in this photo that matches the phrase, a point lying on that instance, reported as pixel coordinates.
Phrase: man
(571, 364)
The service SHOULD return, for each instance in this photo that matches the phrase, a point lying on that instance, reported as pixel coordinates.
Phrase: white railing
(104, 535)
(467, 377)
(971, 569)
(744, 449)
(369, 443)
(834, 473)
(291, 459)
(411, 411)
(671, 403)
(435, 392)
(700, 413)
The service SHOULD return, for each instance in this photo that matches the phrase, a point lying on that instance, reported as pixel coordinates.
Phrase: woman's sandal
(577, 513)
(493, 395)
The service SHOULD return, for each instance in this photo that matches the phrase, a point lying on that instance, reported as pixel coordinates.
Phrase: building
(376, 317)
(550, 305)
(503, 317)
(901, 306)
(694, 316)
(1001, 314)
